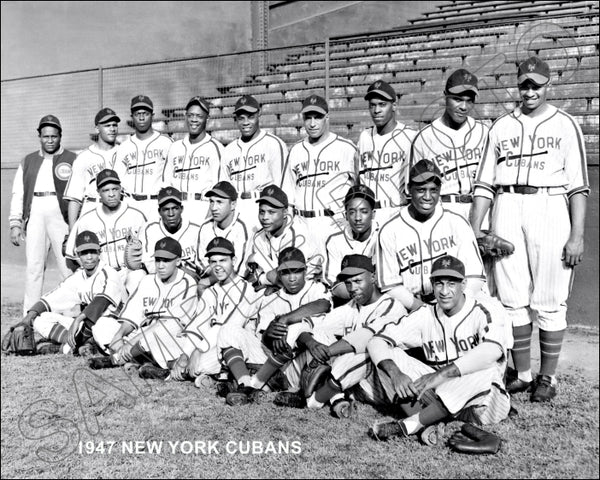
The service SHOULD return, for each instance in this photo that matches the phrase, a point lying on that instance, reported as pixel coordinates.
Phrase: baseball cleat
(88, 350)
(131, 367)
(384, 430)
(224, 388)
(342, 408)
(97, 363)
(516, 385)
(244, 395)
(290, 399)
(432, 434)
(48, 348)
(203, 381)
(544, 391)
(153, 372)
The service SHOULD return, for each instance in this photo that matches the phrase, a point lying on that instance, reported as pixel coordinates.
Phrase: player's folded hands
(404, 386)
(319, 351)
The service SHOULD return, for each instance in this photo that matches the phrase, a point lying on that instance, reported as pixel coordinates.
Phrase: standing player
(454, 142)
(81, 189)
(535, 164)
(141, 159)
(194, 162)
(384, 149)
(113, 221)
(37, 206)
(319, 170)
(422, 232)
(253, 161)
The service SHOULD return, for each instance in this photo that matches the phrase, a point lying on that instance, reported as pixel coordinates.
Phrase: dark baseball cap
(106, 115)
(141, 101)
(381, 89)
(168, 248)
(360, 191)
(107, 176)
(533, 69)
(291, 258)
(448, 266)
(247, 103)
(169, 194)
(273, 195)
(423, 171)
(315, 103)
(220, 246)
(223, 190)
(461, 81)
(201, 102)
(86, 240)
(49, 121)
(355, 265)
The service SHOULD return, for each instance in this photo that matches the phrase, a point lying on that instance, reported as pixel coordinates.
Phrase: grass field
(50, 404)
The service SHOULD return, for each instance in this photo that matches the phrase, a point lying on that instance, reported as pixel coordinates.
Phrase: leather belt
(44, 194)
(522, 189)
(248, 195)
(91, 199)
(314, 213)
(456, 198)
(191, 196)
(136, 196)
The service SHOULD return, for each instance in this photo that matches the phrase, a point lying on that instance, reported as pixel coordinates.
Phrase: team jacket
(86, 167)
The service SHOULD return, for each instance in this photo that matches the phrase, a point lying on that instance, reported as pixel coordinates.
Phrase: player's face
(110, 195)
(425, 197)
(293, 280)
(458, 107)
(142, 120)
(170, 213)
(315, 124)
(222, 266)
(89, 259)
(50, 139)
(382, 111)
(533, 96)
(195, 119)
(360, 215)
(448, 292)
(361, 287)
(108, 131)
(271, 218)
(220, 208)
(247, 123)
(166, 267)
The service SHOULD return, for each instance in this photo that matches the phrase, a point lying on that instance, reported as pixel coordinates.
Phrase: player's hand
(64, 245)
(125, 351)
(277, 329)
(404, 386)
(319, 351)
(179, 370)
(74, 330)
(194, 363)
(16, 236)
(572, 253)
(280, 347)
(429, 381)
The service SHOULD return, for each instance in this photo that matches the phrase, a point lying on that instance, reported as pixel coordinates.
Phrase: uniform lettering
(435, 245)
(544, 143)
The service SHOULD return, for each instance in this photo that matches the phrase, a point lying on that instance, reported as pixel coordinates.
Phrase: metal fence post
(327, 69)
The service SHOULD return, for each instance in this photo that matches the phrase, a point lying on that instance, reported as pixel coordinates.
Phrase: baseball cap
(50, 121)
(381, 89)
(201, 102)
(461, 81)
(220, 246)
(315, 103)
(224, 190)
(448, 266)
(355, 265)
(86, 240)
(105, 115)
(533, 69)
(291, 258)
(423, 171)
(247, 103)
(141, 101)
(107, 176)
(273, 195)
(169, 194)
(360, 191)
(167, 247)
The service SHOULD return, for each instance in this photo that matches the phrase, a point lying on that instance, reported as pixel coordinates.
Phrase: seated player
(465, 342)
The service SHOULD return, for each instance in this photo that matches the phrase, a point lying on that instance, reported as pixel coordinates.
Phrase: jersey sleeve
(168, 176)
(406, 332)
(486, 172)
(468, 251)
(65, 296)
(388, 273)
(144, 236)
(495, 325)
(575, 161)
(15, 217)
(70, 248)
(109, 286)
(75, 188)
(133, 310)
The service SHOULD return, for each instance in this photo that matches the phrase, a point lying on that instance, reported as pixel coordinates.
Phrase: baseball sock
(58, 333)
(521, 352)
(329, 389)
(433, 413)
(267, 370)
(312, 402)
(235, 361)
(550, 345)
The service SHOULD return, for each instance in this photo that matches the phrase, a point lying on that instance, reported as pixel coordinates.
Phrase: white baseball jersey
(320, 175)
(152, 232)
(238, 232)
(384, 162)
(140, 163)
(194, 168)
(341, 243)
(112, 229)
(86, 167)
(407, 249)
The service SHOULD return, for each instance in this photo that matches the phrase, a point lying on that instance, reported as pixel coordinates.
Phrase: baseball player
(81, 188)
(319, 170)
(384, 149)
(113, 221)
(454, 142)
(342, 337)
(95, 287)
(194, 162)
(38, 208)
(464, 342)
(358, 236)
(534, 165)
(422, 232)
(141, 159)
(253, 161)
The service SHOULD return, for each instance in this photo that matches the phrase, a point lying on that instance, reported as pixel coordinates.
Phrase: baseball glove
(133, 254)
(313, 375)
(472, 439)
(20, 340)
(492, 245)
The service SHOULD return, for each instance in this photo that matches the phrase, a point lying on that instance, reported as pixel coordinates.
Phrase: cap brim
(370, 199)
(447, 273)
(87, 246)
(314, 108)
(536, 78)
(203, 107)
(379, 93)
(352, 272)
(164, 200)
(164, 254)
(219, 251)
(49, 124)
(107, 181)
(246, 108)
(217, 193)
(456, 89)
(271, 201)
(108, 118)
(425, 177)
(137, 106)
(291, 265)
